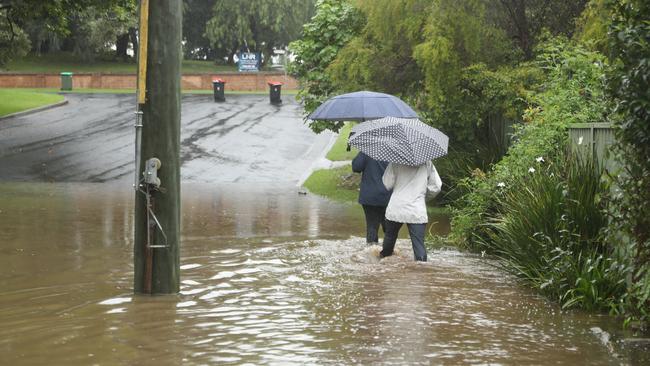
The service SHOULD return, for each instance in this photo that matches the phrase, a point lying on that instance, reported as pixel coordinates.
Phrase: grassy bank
(58, 62)
(12, 101)
(338, 151)
(337, 184)
(132, 91)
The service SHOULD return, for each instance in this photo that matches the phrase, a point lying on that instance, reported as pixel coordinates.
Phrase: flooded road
(268, 277)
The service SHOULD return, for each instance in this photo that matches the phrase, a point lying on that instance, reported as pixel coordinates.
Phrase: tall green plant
(548, 233)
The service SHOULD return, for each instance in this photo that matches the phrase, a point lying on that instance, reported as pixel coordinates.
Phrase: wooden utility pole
(157, 206)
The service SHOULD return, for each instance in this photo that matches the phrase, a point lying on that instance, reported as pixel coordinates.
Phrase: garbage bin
(66, 81)
(275, 88)
(219, 85)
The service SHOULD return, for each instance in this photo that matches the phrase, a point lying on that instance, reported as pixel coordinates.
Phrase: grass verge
(331, 184)
(338, 151)
(55, 63)
(132, 91)
(12, 101)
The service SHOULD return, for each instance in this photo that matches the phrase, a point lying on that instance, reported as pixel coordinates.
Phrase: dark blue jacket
(372, 191)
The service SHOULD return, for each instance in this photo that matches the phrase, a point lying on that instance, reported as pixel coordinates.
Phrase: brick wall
(234, 81)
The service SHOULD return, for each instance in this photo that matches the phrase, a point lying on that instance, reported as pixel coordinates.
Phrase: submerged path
(269, 277)
(91, 139)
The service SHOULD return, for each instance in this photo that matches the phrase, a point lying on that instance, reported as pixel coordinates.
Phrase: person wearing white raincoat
(410, 185)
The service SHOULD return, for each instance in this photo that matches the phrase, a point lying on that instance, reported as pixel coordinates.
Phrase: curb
(318, 162)
(34, 110)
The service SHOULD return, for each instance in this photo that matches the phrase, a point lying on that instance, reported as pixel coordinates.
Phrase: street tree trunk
(121, 45)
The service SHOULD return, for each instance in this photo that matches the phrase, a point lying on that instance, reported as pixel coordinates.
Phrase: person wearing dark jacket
(373, 195)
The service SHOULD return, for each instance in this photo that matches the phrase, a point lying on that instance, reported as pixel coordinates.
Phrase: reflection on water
(267, 277)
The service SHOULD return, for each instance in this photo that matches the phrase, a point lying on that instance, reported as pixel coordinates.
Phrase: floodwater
(269, 276)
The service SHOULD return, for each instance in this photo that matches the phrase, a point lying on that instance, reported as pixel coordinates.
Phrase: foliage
(593, 24)
(525, 21)
(94, 28)
(13, 41)
(381, 57)
(628, 86)
(261, 25)
(457, 35)
(572, 93)
(56, 18)
(547, 233)
(333, 26)
(196, 45)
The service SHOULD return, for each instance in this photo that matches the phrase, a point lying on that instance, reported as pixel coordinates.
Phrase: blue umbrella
(362, 106)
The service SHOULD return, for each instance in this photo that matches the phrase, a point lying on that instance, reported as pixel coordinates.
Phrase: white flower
(531, 170)
(580, 140)
(540, 159)
(501, 185)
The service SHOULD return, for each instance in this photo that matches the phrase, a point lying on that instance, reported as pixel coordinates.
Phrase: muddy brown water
(269, 276)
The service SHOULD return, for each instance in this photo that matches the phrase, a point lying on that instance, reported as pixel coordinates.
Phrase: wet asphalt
(91, 139)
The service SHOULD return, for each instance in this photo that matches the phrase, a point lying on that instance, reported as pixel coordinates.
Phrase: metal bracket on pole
(138, 146)
(150, 182)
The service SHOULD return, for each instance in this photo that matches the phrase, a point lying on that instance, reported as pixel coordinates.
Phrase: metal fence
(593, 140)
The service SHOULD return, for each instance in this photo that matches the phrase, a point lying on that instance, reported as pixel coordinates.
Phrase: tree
(593, 24)
(260, 25)
(524, 20)
(196, 14)
(335, 23)
(13, 40)
(381, 57)
(49, 19)
(94, 29)
(420, 50)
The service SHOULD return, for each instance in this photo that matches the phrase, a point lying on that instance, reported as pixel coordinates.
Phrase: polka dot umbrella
(404, 141)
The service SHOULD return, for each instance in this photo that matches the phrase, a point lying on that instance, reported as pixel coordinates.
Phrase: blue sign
(249, 61)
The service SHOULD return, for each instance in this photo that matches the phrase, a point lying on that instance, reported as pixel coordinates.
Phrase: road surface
(91, 139)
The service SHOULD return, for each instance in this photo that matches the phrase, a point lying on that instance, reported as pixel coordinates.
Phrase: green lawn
(338, 151)
(132, 91)
(12, 101)
(55, 63)
(337, 184)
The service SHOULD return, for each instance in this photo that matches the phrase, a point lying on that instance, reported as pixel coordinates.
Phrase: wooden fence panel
(593, 140)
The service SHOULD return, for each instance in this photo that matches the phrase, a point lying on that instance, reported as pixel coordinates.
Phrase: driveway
(91, 139)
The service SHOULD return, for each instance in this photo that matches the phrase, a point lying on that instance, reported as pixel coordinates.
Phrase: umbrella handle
(350, 135)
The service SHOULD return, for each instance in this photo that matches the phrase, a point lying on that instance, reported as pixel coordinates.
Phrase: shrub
(548, 233)
(572, 93)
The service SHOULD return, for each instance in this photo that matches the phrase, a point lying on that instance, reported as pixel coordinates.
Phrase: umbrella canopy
(362, 106)
(399, 140)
